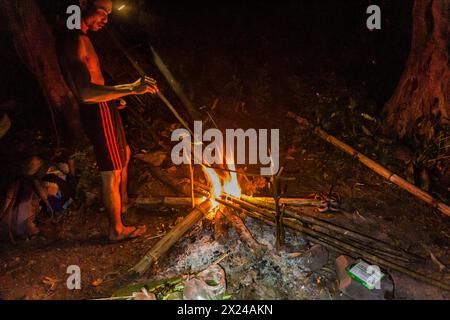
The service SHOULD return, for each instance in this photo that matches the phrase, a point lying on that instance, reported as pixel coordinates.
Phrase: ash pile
(299, 271)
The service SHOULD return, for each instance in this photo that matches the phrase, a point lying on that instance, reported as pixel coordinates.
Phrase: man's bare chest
(93, 64)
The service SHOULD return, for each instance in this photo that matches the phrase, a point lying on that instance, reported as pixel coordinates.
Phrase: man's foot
(128, 233)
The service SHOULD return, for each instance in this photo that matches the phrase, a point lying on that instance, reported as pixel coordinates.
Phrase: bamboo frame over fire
(337, 242)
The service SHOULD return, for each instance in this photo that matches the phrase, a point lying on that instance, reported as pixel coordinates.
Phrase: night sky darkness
(304, 37)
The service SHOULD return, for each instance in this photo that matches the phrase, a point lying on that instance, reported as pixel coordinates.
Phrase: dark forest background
(219, 40)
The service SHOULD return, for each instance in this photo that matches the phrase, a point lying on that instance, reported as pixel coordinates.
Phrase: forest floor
(36, 268)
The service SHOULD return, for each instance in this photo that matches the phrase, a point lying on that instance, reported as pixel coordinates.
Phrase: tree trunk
(421, 102)
(34, 43)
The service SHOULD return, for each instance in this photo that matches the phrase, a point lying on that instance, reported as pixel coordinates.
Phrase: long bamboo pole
(168, 201)
(163, 245)
(374, 166)
(193, 112)
(187, 201)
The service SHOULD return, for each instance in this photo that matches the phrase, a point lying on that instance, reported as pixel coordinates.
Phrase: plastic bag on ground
(209, 284)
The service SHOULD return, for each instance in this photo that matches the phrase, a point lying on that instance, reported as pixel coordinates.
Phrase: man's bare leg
(124, 184)
(112, 200)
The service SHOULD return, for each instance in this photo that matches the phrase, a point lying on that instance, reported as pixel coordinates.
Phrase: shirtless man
(99, 114)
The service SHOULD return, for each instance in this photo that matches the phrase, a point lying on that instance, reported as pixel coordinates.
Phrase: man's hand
(145, 85)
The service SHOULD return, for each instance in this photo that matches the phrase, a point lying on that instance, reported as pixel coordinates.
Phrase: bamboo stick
(374, 258)
(163, 245)
(186, 201)
(374, 166)
(333, 227)
(191, 173)
(220, 227)
(294, 202)
(382, 252)
(168, 201)
(193, 112)
(342, 247)
(247, 174)
(270, 222)
(392, 253)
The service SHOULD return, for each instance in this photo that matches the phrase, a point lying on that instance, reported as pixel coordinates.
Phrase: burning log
(332, 242)
(163, 245)
(374, 166)
(294, 202)
(243, 232)
(220, 227)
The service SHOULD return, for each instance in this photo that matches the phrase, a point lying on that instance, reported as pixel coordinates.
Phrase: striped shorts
(103, 126)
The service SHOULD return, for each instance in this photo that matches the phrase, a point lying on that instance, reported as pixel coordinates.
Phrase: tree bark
(35, 45)
(421, 102)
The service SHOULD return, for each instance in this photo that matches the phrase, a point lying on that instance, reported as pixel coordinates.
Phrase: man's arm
(90, 93)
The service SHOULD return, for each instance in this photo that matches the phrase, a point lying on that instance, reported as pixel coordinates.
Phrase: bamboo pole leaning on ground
(163, 245)
(374, 166)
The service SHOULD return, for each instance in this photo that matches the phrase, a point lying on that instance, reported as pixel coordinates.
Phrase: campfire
(223, 186)
(223, 198)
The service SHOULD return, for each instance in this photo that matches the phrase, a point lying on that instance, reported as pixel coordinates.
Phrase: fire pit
(255, 265)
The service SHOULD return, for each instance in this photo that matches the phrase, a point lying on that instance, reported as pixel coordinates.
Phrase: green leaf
(211, 283)
(179, 287)
(149, 286)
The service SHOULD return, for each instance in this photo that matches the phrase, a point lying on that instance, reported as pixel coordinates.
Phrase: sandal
(136, 233)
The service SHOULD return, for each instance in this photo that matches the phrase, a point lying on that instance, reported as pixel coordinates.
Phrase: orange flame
(219, 186)
(216, 185)
(231, 186)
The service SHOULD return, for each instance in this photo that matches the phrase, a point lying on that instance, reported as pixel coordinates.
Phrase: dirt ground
(36, 268)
